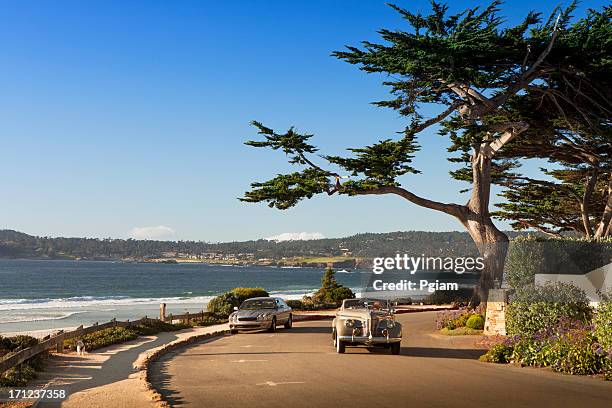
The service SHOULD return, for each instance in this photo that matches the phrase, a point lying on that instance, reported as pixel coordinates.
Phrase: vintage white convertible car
(366, 322)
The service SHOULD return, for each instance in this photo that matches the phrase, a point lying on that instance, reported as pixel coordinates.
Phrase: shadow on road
(74, 374)
(162, 380)
(458, 353)
(308, 329)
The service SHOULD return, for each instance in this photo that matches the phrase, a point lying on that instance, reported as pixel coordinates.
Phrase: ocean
(49, 294)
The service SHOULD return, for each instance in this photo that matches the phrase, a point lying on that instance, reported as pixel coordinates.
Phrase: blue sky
(117, 115)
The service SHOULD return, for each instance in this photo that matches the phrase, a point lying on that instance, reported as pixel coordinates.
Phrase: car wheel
(395, 348)
(340, 346)
(233, 331)
(272, 328)
(289, 323)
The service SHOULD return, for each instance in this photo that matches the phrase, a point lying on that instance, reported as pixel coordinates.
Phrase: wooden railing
(57, 340)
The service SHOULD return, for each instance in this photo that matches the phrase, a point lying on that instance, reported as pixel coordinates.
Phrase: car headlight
(386, 324)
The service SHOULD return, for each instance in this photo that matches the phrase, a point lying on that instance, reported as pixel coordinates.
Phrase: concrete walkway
(110, 377)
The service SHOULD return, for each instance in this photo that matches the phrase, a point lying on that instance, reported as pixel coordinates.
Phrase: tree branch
(451, 209)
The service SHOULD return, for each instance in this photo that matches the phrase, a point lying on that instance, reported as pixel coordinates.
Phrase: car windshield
(258, 304)
(375, 304)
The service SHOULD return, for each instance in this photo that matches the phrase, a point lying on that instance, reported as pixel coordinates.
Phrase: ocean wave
(91, 301)
(17, 318)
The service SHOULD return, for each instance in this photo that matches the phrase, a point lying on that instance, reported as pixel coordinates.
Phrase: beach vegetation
(223, 305)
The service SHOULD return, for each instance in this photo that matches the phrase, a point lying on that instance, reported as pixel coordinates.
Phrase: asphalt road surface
(299, 368)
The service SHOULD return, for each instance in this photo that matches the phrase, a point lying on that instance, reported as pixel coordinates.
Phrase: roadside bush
(524, 260)
(18, 376)
(224, 304)
(461, 331)
(603, 322)
(498, 353)
(212, 320)
(475, 321)
(534, 308)
(301, 304)
(331, 292)
(530, 255)
(155, 326)
(104, 338)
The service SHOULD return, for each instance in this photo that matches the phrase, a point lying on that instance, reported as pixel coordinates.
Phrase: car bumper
(250, 325)
(370, 340)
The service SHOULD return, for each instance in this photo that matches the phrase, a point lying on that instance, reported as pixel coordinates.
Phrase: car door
(282, 311)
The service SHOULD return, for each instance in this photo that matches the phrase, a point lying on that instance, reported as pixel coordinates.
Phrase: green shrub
(104, 338)
(331, 292)
(460, 321)
(498, 353)
(603, 322)
(475, 321)
(155, 326)
(575, 357)
(534, 308)
(607, 367)
(460, 331)
(17, 376)
(224, 304)
(530, 255)
(212, 320)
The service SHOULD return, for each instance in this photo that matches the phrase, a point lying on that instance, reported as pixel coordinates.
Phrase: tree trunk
(603, 229)
(492, 243)
(586, 199)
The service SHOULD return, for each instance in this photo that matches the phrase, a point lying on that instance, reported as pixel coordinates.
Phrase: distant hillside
(15, 244)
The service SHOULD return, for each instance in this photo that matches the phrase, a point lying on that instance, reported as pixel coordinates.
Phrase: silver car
(261, 313)
(366, 322)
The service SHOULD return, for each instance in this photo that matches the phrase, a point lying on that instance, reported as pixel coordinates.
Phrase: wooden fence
(57, 341)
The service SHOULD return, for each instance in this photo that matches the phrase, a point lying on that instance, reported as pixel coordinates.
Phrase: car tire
(395, 348)
(340, 346)
(289, 323)
(233, 331)
(272, 328)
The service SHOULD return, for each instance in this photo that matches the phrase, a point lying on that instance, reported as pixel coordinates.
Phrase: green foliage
(8, 344)
(365, 245)
(534, 308)
(223, 305)
(498, 353)
(212, 320)
(436, 60)
(103, 338)
(155, 326)
(531, 255)
(460, 331)
(475, 322)
(331, 292)
(570, 350)
(17, 376)
(522, 262)
(602, 322)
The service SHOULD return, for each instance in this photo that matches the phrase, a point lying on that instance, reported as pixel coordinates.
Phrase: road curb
(144, 364)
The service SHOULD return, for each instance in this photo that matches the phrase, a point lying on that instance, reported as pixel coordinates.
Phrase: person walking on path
(80, 346)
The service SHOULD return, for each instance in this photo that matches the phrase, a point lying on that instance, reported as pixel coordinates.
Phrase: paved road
(299, 368)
